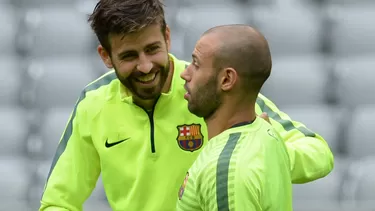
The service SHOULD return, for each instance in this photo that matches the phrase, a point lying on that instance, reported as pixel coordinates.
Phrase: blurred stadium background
(323, 75)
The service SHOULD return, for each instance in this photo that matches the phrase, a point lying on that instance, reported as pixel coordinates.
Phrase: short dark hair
(248, 53)
(125, 17)
(253, 70)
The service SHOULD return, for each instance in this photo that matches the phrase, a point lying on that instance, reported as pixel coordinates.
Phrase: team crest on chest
(190, 137)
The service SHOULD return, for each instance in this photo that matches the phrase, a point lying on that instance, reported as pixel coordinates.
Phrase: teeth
(147, 78)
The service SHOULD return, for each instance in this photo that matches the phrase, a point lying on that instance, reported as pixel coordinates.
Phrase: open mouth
(149, 78)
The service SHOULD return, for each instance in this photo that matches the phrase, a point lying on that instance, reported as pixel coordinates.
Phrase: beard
(205, 99)
(145, 93)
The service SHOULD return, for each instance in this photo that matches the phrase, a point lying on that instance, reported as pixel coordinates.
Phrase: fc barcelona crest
(190, 137)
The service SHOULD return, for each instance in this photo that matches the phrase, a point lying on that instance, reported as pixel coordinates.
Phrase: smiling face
(140, 60)
(201, 80)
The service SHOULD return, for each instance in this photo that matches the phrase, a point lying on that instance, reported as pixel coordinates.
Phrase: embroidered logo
(190, 137)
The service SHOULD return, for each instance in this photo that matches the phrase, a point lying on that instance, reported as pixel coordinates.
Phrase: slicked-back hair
(122, 17)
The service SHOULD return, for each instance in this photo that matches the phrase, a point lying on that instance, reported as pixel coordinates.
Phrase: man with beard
(133, 127)
(245, 165)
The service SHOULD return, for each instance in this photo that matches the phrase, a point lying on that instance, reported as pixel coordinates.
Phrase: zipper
(152, 127)
(152, 130)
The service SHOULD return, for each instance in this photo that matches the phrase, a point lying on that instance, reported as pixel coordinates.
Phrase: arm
(310, 155)
(187, 195)
(75, 168)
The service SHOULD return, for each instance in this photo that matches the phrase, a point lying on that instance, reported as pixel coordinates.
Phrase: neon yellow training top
(244, 168)
(142, 157)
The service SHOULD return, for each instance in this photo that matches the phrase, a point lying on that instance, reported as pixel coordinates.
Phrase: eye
(128, 56)
(152, 49)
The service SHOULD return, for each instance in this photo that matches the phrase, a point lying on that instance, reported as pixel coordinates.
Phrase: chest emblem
(190, 137)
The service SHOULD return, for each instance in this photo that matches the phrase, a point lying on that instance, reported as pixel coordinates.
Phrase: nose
(144, 65)
(184, 74)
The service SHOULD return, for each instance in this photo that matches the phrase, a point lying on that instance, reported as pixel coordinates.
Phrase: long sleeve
(75, 168)
(310, 155)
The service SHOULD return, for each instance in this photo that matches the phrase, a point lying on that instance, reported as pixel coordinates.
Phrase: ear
(228, 79)
(103, 53)
(168, 37)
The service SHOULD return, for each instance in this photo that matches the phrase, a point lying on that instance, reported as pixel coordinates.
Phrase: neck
(228, 115)
(145, 104)
(149, 104)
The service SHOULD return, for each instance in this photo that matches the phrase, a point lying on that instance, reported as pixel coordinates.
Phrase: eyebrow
(120, 55)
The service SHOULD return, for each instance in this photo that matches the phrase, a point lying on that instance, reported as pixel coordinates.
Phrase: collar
(242, 124)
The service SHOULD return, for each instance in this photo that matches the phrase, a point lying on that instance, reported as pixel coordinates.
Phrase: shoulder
(268, 148)
(99, 91)
(267, 135)
(256, 142)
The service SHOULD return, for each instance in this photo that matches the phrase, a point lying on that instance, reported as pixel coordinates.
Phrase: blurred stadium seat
(58, 81)
(170, 13)
(359, 185)
(54, 31)
(290, 30)
(13, 131)
(98, 197)
(52, 128)
(19, 205)
(346, 2)
(40, 176)
(97, 206)
(352, 29)
(33, 3)
(8, 23)
(322, 119)
(207, 16)
(320, 194)
(10, 80)
(355, 80)
(15, 178)
(177, 35)
(297, 80)
(177, 44)
(205, 2)
(98, 193)
(366, 183)
(360, 139)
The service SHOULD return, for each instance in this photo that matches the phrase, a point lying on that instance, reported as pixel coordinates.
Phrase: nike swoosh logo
(109, 145)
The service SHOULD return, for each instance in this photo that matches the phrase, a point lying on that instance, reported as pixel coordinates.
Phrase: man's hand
(265, 117)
